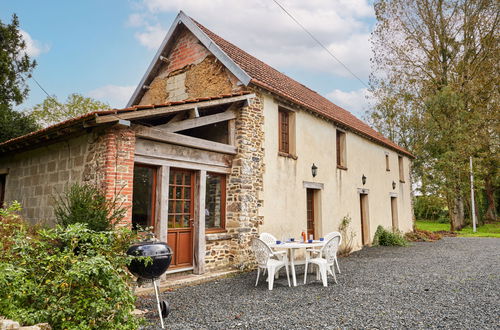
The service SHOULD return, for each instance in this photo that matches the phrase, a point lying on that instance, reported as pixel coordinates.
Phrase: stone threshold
(176, 281)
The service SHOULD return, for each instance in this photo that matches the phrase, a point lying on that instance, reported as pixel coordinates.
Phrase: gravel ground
(452, 283)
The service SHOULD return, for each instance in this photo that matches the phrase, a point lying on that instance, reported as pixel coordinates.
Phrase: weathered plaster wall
(104, 158)
(190, 72)
(284, 210)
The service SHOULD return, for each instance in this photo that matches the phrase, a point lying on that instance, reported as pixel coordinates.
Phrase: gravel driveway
(452, 283)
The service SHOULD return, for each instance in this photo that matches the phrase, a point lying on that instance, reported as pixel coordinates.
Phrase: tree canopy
(15, 68)
(51, 111)
(435, 80)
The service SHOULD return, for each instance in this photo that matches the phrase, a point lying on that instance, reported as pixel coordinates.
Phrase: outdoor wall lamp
(393, 185)
(363, 179)
(314, 170)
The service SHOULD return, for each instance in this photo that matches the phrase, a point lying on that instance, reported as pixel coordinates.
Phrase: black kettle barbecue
(161, 255)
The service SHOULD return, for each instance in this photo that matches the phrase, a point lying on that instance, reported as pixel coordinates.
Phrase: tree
(51, 111)
(15, 68)
(435, 79)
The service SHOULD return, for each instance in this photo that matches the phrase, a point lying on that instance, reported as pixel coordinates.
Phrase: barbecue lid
(150, 249)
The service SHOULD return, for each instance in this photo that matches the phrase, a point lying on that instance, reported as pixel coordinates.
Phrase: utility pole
(473, 207)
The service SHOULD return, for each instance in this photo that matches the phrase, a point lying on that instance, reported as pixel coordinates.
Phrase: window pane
(214, 203)
(171, 221)
(143, 199)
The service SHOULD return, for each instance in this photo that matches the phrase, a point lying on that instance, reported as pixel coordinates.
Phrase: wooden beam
(197, 122)
(170, 109)
(199, 226)
(183, 140)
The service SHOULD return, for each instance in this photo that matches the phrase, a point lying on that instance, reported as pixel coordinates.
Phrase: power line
(43, 89)
(319, 43)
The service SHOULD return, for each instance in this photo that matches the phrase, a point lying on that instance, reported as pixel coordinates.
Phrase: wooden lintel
(197, 122)
(155, 112)
(183, 140)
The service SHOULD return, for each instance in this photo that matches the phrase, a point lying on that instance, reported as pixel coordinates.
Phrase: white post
(472, 197)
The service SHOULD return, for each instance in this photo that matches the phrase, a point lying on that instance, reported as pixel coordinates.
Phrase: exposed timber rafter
(182, 140)
(159, 111)
(197, 122)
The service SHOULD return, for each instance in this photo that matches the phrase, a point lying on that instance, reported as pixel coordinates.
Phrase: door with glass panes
(181, 217)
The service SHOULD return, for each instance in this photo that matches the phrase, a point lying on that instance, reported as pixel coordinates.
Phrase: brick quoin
(119, 169)
(187, 50)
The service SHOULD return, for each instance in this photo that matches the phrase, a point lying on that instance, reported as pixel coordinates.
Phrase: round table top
(297, 244)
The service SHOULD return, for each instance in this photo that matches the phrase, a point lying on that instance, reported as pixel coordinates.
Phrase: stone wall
(37, 176)
(244, 186)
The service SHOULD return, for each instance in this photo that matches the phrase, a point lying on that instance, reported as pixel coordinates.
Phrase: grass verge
(486, 230)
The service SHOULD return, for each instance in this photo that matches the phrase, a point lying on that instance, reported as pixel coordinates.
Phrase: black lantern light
(393, 185)
(314, 170)
(363, 179)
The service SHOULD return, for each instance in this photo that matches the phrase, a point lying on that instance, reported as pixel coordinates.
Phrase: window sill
(287, 155)
(340, 167)
(215, 231)
(210, 237)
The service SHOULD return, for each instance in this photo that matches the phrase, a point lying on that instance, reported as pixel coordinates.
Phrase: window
(341, 150)
(387, 167)
(143, 200)
(401, 169)
(284, 131)
(215, 201)
(3, 180)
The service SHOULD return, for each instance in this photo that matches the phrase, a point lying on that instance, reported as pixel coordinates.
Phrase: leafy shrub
(431, 208)
(347, 236)
(69, 277)
(387, 238)
(85, 203)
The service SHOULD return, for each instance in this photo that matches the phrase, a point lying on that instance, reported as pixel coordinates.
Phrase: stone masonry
(38, 176)
(244, 185)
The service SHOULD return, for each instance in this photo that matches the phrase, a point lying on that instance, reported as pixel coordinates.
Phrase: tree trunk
(491, 211)
(456, 209)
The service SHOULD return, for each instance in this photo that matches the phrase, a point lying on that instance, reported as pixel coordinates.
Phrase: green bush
(71, 278)
(431, 208)
(84, 203)
(387, 238)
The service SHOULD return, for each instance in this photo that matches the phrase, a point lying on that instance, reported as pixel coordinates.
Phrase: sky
(102, 48)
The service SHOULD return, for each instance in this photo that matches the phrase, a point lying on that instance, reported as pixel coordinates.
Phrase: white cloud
(152, 36)
(116, 96)
(33, 47)
(261, 28)
(356, 102)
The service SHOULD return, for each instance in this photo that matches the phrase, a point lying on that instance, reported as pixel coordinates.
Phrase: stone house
(214, 147)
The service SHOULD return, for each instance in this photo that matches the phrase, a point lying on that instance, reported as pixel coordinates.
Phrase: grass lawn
(487, 230)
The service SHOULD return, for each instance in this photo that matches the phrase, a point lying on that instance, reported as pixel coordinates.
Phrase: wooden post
(199, 223)
(162, 203)
(231, 132)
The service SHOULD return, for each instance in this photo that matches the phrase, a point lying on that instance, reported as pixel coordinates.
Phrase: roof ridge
(275, 81)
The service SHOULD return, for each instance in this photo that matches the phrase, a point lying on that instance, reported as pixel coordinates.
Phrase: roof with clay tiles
(271, 79)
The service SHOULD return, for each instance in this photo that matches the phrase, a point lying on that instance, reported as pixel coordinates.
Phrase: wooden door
(394, 212)
(365, 228)
(310, 213)
(181, 217)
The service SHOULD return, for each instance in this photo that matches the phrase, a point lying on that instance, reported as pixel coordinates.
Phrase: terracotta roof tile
(271, 79)
(91, 115)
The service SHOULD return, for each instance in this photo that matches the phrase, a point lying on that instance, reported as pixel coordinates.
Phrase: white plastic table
(291, 247)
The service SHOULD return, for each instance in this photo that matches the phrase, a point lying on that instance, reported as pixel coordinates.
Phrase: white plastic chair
(316, 252)
(270, 239)
(268, 260)
(325, 262)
